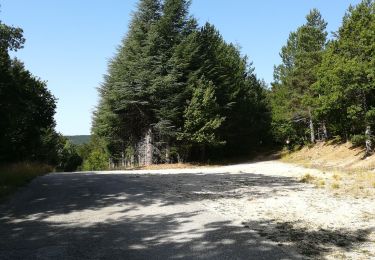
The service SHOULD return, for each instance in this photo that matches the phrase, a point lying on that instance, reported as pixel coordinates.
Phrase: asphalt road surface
(133, 215)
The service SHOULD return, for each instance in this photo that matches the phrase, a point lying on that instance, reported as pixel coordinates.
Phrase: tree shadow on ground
(162, 237)
(311, 243)
(68, 192)
(141, 237)
(33, 224)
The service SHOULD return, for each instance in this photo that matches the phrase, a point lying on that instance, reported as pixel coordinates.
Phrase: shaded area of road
(131, 216)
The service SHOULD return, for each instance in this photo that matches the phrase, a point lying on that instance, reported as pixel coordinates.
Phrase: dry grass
(308, 178)
(320, 184)
(173, 166)
(311, 179)
(344, 168)
(18, 174)
(335, 186)
(170, 166)
(331, 157)
(337, 177)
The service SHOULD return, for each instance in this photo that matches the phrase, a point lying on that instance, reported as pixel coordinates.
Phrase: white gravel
(259, 210)
(268, 197)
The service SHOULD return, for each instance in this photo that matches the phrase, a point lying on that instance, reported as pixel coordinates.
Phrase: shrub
(358, 140)
(307, 178)
(321, 183)
(96, 161)
(70, 160)
(335, 140)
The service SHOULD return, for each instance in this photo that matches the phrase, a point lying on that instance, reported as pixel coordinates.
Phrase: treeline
(28, 140)
(176, 91)
(26, 108)
(325, 89)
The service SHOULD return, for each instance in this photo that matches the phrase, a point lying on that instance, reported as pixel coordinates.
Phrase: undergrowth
(15, 175)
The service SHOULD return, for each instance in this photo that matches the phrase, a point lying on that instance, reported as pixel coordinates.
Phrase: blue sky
(69, 42)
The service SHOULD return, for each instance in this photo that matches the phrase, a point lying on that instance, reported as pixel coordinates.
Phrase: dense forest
(27, 109)
(326, 88)
(176, 91)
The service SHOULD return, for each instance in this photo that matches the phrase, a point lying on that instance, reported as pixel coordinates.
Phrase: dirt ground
(258, 210)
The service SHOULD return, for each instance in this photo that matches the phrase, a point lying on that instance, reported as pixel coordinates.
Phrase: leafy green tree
(96, 161)
(346, 77)
(26, 107)
(70, 160)
(295, 77)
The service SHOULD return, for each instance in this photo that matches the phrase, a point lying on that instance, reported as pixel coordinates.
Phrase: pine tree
(295, 77)
(202, 117)
(124, 112)
(346, 76)
(163, 71)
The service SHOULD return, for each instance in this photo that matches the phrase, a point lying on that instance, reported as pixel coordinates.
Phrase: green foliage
(202, 118)
(27, 107)
(346, 76)
(293, 98)
(70, 160)
(94, 155)
(181, 82)
(335, 83)
(96, 161)
(78, 139)
(358, 140)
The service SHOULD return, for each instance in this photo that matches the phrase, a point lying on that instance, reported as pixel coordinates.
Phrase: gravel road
(247, 211)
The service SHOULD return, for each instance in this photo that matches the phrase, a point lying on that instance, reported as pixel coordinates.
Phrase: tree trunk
(132, 160)
(368, 135)
(110, 164)
(312, 130)
(123, 160)
(168, 154)
(325, 132)
(149, 150)
(203, 153)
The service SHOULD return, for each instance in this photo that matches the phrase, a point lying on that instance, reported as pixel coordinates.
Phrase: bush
(70, 159)
(96, 161)
(307, 178)
(358, 140)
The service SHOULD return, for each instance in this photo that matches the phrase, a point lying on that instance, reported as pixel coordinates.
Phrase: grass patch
(310, 179)
(16, 175)
(307, 178)
(321, 184)
(343, 168)
(336, 177)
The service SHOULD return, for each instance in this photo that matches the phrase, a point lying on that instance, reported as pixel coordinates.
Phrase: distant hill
(79, 139)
